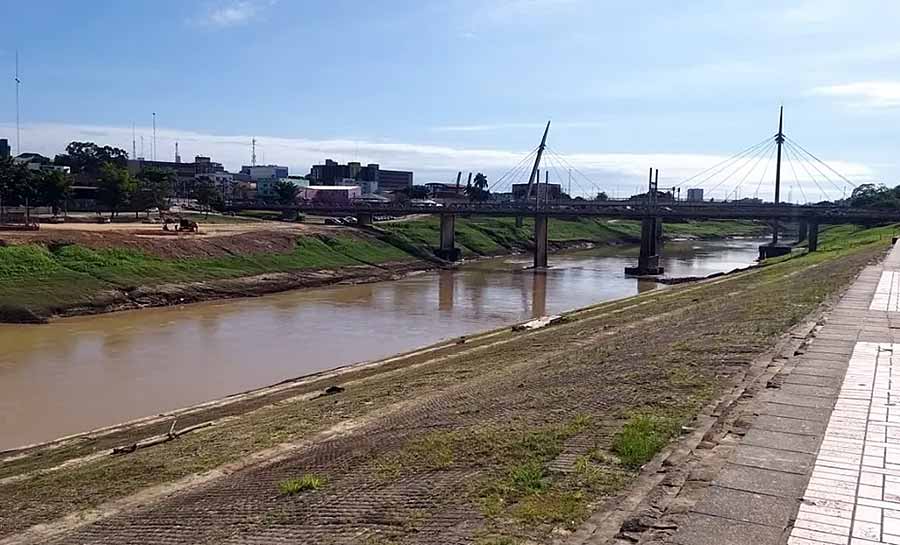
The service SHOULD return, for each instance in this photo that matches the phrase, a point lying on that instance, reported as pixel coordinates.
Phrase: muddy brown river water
(77, 374)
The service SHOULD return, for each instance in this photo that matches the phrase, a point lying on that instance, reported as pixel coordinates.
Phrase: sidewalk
(820, 463)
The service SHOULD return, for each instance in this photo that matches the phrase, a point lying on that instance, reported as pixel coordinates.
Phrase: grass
(490, 236)
(306, 482)
(642, 437)
(43, 280)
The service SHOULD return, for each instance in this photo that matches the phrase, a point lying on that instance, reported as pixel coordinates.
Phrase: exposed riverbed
(75, 374)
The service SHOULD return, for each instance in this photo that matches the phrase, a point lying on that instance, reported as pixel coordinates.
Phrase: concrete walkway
(820, 463)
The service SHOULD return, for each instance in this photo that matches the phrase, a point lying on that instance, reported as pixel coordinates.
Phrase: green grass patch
(642, 437)
(306, 482)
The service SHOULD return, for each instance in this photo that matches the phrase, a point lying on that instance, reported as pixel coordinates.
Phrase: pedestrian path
(820, 463)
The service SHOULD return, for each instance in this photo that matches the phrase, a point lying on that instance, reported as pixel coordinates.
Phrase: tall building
(370, 176)
(265, 176)
(185, 173)
(695, 194)
(4, 148)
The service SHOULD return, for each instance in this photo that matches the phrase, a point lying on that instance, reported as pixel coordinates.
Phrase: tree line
(106, 168)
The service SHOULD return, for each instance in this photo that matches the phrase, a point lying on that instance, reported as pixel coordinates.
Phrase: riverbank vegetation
(59, 276)
(518, 435)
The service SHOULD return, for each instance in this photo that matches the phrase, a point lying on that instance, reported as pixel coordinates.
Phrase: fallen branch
(160, 439)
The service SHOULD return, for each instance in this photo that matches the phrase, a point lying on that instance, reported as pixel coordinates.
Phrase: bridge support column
(648, 260)
(813, 244)
(520, 221)
(364, 219)
(802, 231)
(448, 249)
(540, 241)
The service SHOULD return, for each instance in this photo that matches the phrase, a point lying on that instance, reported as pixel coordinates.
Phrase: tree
(53, 186)
(88, 158)
(115, 187)
(875, 196)
(16, 186)
(478, 189)
(286, 192)
(602, 196)
(154, 188)
(417, 192)
(208, 195)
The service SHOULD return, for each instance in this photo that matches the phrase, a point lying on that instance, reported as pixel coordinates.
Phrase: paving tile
(780, 440)
(789, 425)
(699, 529)
(747, 507)
(793, 411)
(762, 481)
(775, 459)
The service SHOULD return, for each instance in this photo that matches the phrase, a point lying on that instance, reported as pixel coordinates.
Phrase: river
(76, 374)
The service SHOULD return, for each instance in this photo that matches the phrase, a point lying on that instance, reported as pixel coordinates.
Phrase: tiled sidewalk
(820, 463)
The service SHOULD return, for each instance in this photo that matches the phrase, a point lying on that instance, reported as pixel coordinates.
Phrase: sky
(463, 85)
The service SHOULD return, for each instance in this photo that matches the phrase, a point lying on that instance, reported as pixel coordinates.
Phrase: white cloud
(592, 171)
(232, 13)
(491, 127)
(868, 94)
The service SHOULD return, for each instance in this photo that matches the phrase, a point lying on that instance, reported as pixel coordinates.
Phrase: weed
(642, 437)
(310, 481)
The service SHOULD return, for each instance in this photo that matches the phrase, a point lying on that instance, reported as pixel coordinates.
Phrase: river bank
(58, 274)
(518, 435)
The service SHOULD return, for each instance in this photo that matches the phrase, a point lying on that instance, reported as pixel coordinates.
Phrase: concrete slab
(747, 507)
(700, 529)
(762, 481)
(774, 459)
(811, 428)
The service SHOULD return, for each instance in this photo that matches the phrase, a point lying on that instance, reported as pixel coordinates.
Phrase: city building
(695, 195)
(186, 174)
(371, 178)
(440, 190)
(330, 194)
(37, 162)
(543, 191)
(265, 177)
(4, 148)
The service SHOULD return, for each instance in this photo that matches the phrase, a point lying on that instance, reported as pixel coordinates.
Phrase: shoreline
(176, 294)
(268, 390)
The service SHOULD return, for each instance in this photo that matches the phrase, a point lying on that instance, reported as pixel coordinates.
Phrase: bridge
(650, 210)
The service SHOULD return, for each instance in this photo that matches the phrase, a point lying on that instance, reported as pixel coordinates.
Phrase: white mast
(18, 130)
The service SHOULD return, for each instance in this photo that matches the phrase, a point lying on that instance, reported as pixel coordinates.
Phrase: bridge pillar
(448, 249)
(803, 231)
(540, 241)
(648, 259)
(520, 221)
(363, 219)
(813, 243)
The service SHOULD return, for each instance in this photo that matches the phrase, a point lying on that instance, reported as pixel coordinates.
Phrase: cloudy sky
(441, 86)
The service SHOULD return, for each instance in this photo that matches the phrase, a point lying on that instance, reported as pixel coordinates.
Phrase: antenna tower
(153, 144)
(18, 130)
(253, 152)
(133, 143)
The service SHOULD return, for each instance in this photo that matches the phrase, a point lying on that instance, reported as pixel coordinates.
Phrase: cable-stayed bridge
(745, 172)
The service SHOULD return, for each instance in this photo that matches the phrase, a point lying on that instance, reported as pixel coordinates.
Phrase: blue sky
(462, 84)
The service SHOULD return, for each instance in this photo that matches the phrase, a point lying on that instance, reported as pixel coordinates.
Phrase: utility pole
(133, 143)
(253, 152)
(779, 140)
(153, 145)
(18, 130)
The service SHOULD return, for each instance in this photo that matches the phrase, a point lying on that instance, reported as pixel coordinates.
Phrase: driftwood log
(160, 439)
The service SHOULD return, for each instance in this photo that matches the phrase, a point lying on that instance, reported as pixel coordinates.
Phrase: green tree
(87, 158)
(115, 187)
(286, 192)
(155, 187)
(208, 195)
(53, 187)
(601, 196)
(478, 189)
